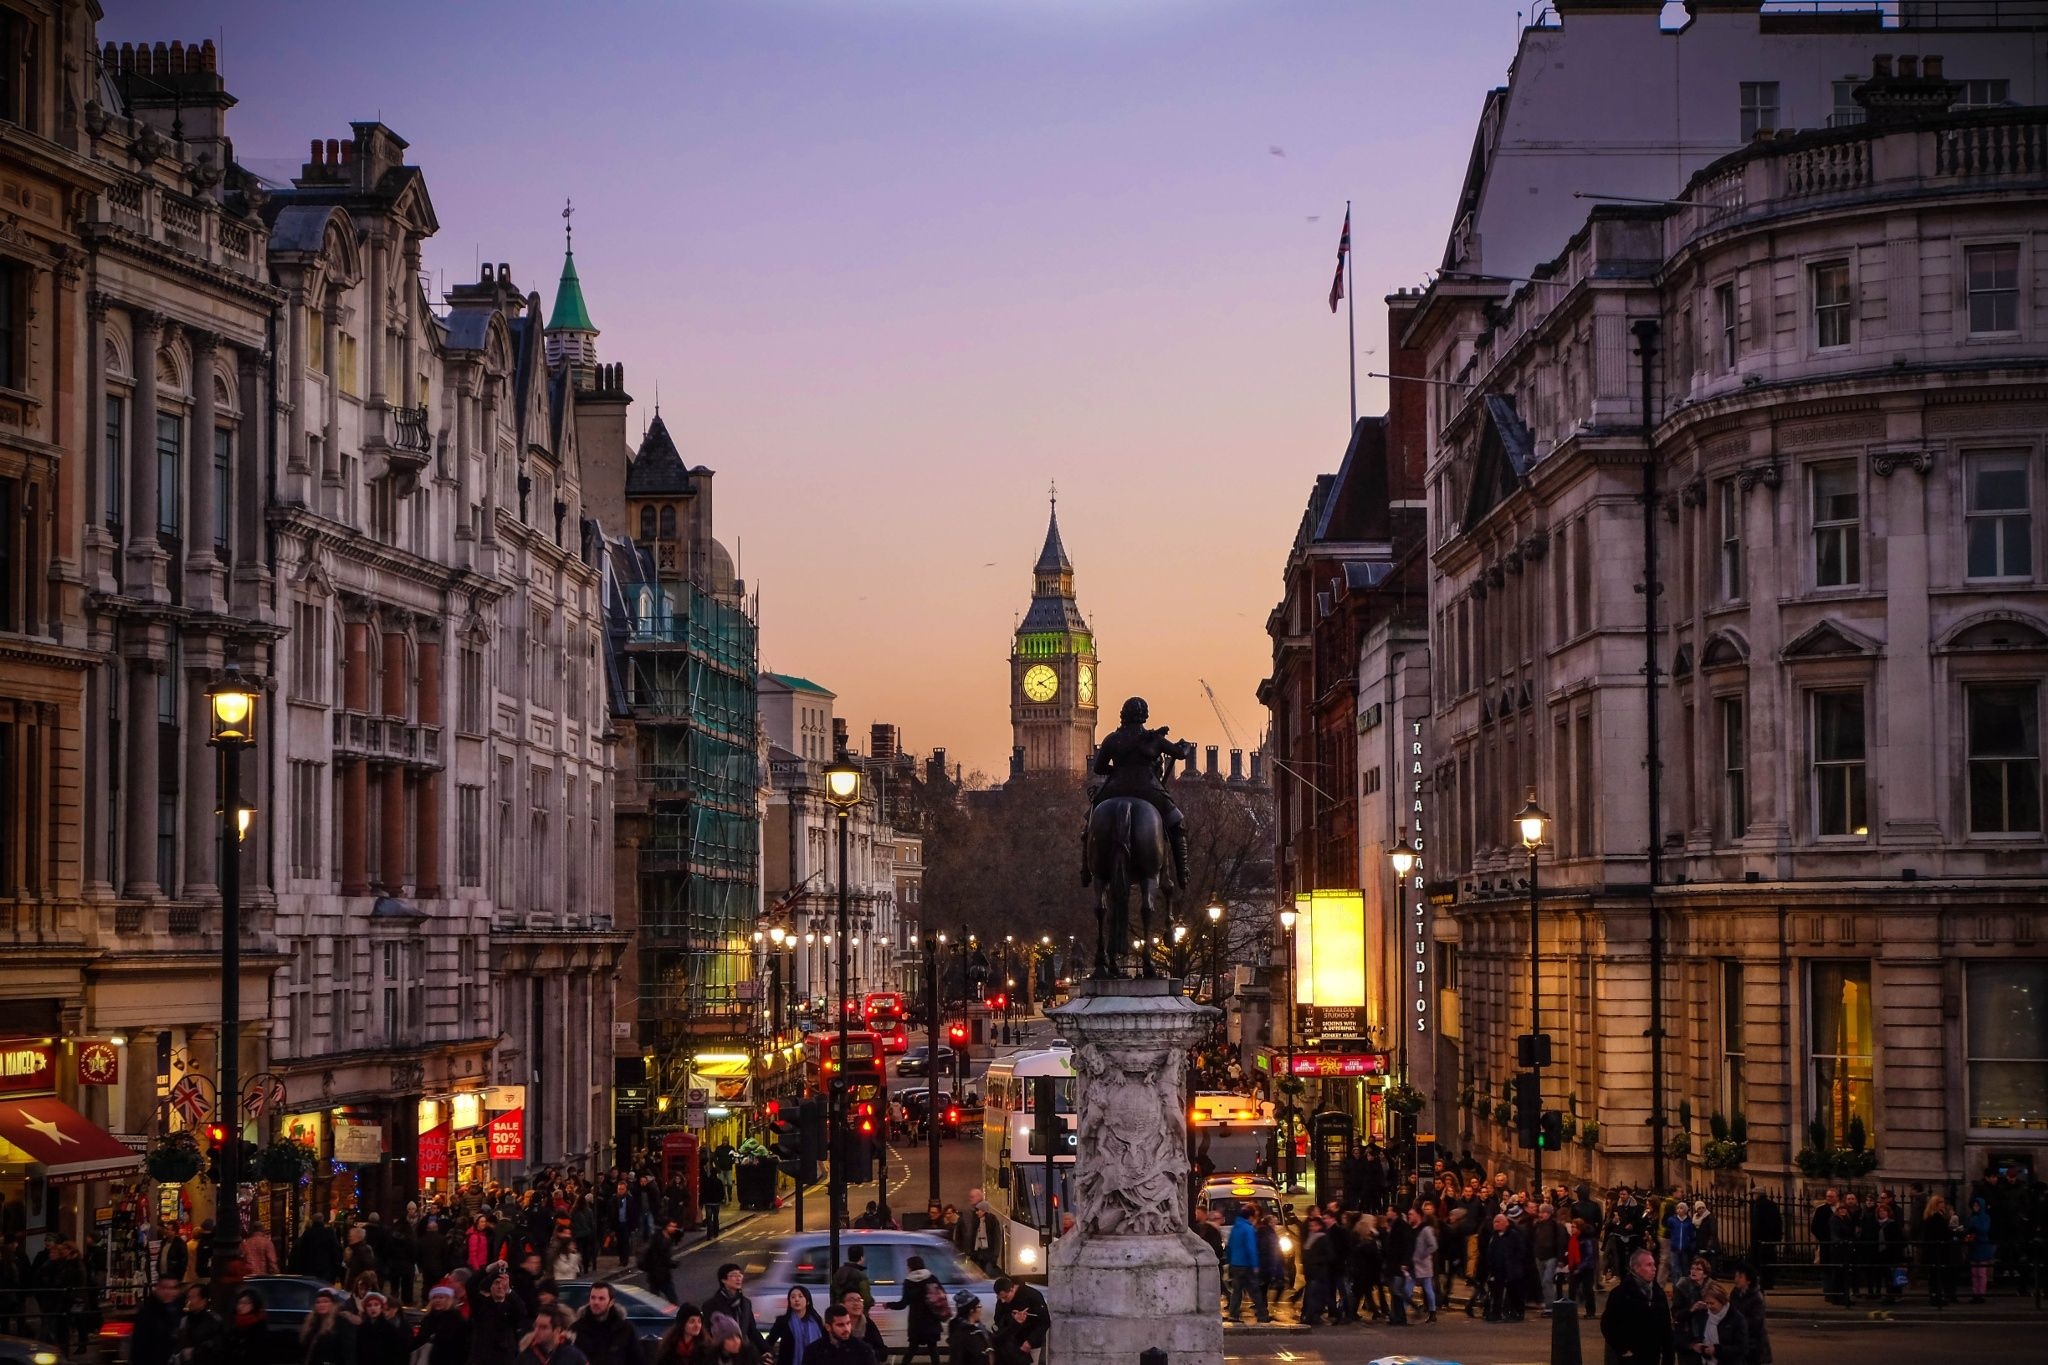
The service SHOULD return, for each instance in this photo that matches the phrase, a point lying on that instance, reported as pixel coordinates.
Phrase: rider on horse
(1129, 757)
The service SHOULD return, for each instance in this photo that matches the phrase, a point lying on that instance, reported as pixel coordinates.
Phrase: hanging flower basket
(1404, 1098)
(174, 1158)
(285, 1162)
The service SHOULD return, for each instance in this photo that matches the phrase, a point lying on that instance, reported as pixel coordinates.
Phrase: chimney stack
(1212, 751)
(1237, 765)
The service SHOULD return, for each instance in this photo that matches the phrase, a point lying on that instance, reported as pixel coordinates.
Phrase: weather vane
(568, 228)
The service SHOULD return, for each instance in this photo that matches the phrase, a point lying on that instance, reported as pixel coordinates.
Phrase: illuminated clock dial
(1085, 685)
(1040, 682)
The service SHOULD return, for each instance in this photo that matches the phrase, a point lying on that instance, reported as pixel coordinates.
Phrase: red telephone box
(679, 1160)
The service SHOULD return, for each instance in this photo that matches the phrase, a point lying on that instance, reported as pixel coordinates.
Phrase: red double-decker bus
(863, 1057)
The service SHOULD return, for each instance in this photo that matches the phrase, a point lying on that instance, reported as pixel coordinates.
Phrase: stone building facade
(1832, 833)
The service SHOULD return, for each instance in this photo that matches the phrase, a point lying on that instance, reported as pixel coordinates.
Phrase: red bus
(882, 1008)
(863, 1057)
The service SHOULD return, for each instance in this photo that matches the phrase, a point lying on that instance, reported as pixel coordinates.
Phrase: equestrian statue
(1134, 831)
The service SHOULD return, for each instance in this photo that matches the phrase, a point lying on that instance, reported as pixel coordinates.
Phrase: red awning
(68, 1146)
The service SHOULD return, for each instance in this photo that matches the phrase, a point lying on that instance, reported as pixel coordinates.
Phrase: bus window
(1027, 1191)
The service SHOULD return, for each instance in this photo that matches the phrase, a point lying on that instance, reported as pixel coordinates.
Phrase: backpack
(938, 1301)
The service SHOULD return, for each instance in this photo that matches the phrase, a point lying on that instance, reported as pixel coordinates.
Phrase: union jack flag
(1343, 250)
(189, 1098)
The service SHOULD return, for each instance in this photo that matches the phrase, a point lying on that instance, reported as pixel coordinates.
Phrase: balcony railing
(388, 739)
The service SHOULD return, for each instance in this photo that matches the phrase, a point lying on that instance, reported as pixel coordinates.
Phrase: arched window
(647, 523)
(668, 521)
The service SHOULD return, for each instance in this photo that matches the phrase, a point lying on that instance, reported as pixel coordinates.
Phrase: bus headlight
(1286, 1246)
(1027, 1255)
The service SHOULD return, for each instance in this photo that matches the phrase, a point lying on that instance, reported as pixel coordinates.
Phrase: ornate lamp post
(842, 791)
(1533, 820)
(1288, 1082)
(233, 730)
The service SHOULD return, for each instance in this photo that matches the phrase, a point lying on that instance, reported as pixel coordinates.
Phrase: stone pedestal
(1132, 1274)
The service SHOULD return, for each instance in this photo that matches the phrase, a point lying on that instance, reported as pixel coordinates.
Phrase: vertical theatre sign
(1418, 902)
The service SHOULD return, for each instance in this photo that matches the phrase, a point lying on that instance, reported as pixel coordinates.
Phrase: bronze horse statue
(1127, 851)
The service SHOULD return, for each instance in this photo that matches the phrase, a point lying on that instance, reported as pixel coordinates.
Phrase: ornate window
(1836, 745)
(1833, 324)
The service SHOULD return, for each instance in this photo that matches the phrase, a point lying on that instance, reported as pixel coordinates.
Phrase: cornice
(156, 254)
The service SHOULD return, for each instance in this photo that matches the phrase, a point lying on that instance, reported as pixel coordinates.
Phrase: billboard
(1329, 948)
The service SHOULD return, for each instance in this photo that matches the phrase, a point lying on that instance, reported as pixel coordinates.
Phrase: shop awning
(69, 1146)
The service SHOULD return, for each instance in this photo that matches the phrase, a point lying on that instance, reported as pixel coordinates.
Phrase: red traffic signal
(952, 1116)
(867, 1125)
(216, 1134)
(998, 1001)
(956, 1033)
(774, 1108)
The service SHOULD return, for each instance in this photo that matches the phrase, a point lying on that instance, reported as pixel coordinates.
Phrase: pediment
(1998, 630)
(1831, 639)
(1505, 456)
(1725, 649)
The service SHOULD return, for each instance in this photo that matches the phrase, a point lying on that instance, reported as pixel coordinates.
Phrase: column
(330, 365)
(98, 802)
(355, 775)
(427, 829)
(294, 367)
(374, 339)
(465, 492)
(200, 565)
(392, 874)
(200, 793)
(92, 439)
(245, 478)
(487, 448)
(139, 516)
(1905, 750)
(140, 767)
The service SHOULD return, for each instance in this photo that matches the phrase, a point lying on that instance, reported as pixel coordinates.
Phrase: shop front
(49, 1151)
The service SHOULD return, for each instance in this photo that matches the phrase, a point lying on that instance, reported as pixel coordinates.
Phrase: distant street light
(842, 790)
(233, 729)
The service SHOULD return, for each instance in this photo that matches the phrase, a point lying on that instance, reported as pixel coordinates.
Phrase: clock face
(1040, 682)
(1085, 685)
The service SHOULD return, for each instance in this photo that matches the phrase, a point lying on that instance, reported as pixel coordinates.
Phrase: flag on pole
(1343, 250)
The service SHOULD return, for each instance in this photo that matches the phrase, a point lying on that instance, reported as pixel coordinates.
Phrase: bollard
(1564, 1333)
(1152, 1356)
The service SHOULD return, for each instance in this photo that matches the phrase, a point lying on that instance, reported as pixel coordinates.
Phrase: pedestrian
(1679, 1236)
(443, 1331)
(315, 1253)
(497, 1318)
(1013, 1340)
(1397, 1266)
(967, 1335)
(683, 1343)
(797, 1329)
(1747, 1298)
(361, 1257)
(550, 1343)
(259, 1251)
(564, 1261)
(925, 1307)
(1887, 1250)
(327, 1336)
(710, 1196)
(381, 1338)
(658, 1259)
(1318, 1266)
(1582, 1265)
(1016, 1297)
(842, 1345)
(1766, 1232)
(1241, 1262)
(1422, 1260)
(1979, 1247)
(1723, 1332)
(982, 1235)
(1937, 1247)
(602, 1332)
(731, 1301)
(154, 1336)
(200, 1339)
(862, 1324)
(247, 1331)
(1685, 1297)
(1636, 1324)
(852, 1277)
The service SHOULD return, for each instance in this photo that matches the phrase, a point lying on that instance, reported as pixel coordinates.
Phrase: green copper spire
(570, 314)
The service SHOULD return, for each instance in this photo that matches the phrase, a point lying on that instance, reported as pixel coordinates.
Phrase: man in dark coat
(156, 1325)
(1636, 1324)
(602, 1332)
(497, 1318)
(1012, 1296)
(316, 1253)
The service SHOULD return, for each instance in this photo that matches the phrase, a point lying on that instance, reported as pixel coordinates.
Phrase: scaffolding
(691, 671)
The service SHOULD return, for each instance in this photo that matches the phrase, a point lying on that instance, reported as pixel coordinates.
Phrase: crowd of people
(1400, 1250)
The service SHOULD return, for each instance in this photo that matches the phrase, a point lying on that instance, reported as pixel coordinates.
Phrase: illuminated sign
(1329, 947)
(1339, 1064)
(1418, 915)
(26, 1068)
(507, 1135)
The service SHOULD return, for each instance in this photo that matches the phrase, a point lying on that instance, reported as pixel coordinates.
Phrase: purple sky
(898, 264)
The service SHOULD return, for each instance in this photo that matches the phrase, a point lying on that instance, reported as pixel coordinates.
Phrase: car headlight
(1028, 1255)
(1286, 1246)
(45, 1358)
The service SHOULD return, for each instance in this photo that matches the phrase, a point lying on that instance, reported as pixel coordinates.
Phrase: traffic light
(810, 1137)
(1051, 1133)
(786, 1141)
(1550, 1133)
(956, 1034)
(998, 1001)
(1528, 1108)
(1532, 1049)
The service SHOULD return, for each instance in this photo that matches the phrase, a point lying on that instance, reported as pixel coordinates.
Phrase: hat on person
(375, 1294)
(441, 1291)
(1699, 1206)
(332, 1295)
(965, 1302)
(720, 1328)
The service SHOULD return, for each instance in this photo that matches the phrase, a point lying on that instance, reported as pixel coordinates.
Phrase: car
(1225, 1194)
(912, 1101)
(649, 1314)
(895, 1038)
(22, 1351)
(912, 1062)
(805, 1258)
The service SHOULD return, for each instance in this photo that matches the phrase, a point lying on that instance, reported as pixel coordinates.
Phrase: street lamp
(1533, 820)
(233, 706)
(842, 791)
(1403, 857)
(1215, 913)
(1287, 918)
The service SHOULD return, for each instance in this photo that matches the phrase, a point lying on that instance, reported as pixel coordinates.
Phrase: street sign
(1325, 1065)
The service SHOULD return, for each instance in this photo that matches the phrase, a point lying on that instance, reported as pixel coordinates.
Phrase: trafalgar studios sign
(1413, 895)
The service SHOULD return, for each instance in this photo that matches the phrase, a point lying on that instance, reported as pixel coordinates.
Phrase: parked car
(22, 1351)
(913, 1061)
(805, 1258)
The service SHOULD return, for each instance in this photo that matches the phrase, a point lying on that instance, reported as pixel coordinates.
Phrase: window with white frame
(2003, 722)
(1837, 746)
(1759, 106)
(1832, 322)
(1847, 113)
(1728, 532)
(1734, 767)
(1726, 321)
(1984, 94)
(2007, 1044)
(1992, 279)
(1837, 508)
(1998, 515)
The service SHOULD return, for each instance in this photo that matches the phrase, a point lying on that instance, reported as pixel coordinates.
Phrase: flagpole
(1351, 321)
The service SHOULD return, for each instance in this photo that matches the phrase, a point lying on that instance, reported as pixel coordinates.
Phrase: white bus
(1231, 1135)
(1012, 1178)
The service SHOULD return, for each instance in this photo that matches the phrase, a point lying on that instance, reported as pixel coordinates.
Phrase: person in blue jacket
(1241, 1260)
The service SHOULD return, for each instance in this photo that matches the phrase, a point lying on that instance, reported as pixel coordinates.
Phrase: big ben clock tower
(1052, 668)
